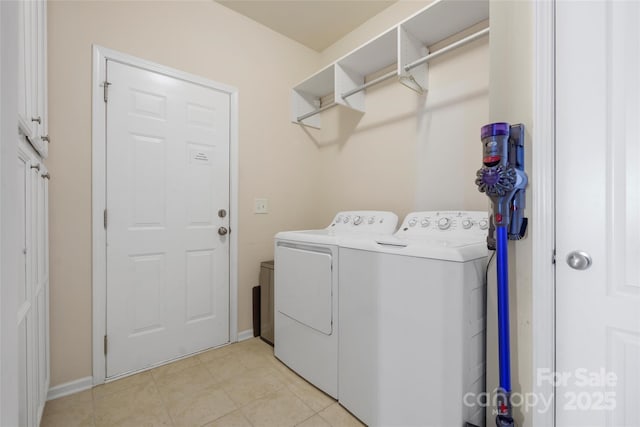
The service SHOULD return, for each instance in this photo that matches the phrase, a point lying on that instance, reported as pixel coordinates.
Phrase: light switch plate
(260, 206)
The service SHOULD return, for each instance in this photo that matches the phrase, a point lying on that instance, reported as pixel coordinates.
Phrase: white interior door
(598, 212)
(167, 178)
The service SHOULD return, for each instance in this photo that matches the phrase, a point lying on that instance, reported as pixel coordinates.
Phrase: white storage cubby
(352, 69)
(308, 95)
(406, 44)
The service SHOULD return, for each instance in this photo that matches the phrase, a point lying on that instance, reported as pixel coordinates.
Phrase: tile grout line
(162, 399)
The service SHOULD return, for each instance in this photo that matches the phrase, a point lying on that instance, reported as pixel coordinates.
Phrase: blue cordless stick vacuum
(503, 179)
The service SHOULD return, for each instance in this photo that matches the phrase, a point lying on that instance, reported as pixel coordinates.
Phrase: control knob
(372, 220)
(484, 224)
(425, 223)
(466, 224)
(357, 220)
(413, 222)
(444, 223)
(346, 219)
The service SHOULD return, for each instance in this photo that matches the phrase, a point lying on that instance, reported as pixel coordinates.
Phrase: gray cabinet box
(266, 301)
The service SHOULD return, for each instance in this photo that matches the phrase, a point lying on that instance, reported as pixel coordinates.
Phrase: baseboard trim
(71, 387)
(245, 335)
(86, 383)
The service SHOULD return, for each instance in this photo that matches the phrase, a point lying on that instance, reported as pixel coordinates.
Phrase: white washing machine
(412, 322)
(306, 293)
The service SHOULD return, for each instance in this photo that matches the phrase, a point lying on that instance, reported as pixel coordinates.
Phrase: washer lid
(324, 236)
(456, 250)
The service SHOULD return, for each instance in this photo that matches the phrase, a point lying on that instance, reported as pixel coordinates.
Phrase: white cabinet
(33, 285)
(33, 212)
(32, 73)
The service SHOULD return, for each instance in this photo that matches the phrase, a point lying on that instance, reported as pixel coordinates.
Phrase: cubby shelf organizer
(405, 44)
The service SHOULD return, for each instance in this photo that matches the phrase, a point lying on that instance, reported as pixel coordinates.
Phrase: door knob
(222, 231)
(579, 260)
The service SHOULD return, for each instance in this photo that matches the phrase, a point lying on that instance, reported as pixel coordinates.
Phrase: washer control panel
(441, 223)
(365, 221)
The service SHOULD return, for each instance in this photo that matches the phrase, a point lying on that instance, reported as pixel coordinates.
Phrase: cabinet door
(24, 235)
(25, 290)
(41, 139)
(27, 116)
(33, 285)
(42, 290)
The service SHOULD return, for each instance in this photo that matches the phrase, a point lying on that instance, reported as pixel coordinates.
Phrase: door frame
(543, 182)
(98, 173)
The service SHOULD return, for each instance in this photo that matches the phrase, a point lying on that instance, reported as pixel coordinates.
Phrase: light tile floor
(239, 385)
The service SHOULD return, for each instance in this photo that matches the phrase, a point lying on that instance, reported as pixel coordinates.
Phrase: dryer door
(303, 286)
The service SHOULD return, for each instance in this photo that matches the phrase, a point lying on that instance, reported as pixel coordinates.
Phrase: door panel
(23, 231)
(25, 370)
(598, 201)
(167, 176)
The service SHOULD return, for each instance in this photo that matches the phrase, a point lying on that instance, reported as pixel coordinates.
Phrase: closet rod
(369, 84)
(314, 112)
(444, 50)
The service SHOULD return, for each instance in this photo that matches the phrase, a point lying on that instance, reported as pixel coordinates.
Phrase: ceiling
(314, 23)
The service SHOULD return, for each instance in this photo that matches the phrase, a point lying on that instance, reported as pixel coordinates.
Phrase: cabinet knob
(36, 167)
(45, 138)
(36, 119)
(46, 175)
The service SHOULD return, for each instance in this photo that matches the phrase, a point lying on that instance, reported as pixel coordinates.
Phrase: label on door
(200, 157)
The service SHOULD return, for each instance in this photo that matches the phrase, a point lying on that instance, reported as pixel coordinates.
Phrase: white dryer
(306, 293)
(412, 322)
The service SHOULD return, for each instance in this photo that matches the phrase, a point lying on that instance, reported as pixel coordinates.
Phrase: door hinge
(105, 87)
(105, 345)
(105, 219)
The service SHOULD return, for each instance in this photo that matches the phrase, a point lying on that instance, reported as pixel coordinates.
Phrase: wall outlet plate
(260, 206)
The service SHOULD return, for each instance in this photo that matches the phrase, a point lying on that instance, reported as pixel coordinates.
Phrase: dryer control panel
(365, 221)
(441, 223)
